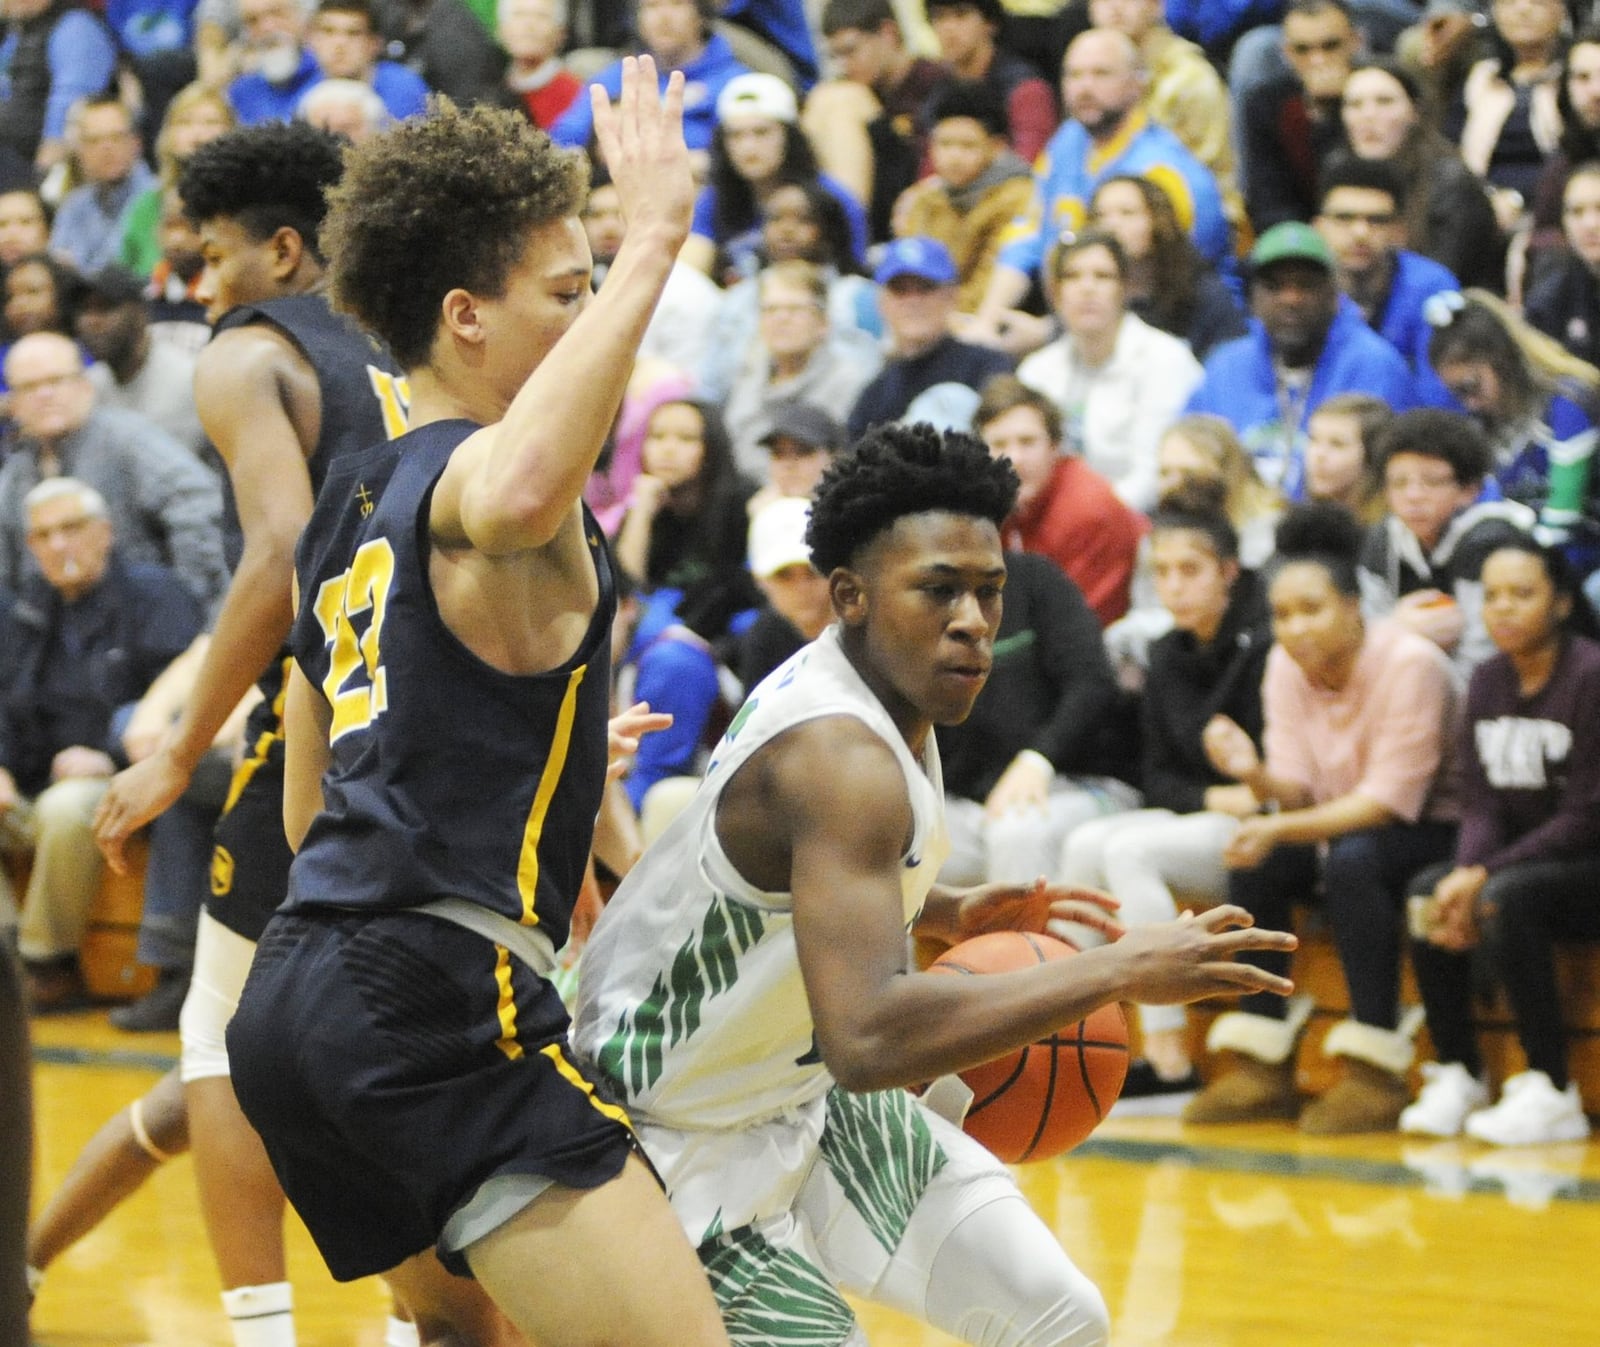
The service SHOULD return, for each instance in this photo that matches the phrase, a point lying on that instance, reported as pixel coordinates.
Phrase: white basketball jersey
(690, 997)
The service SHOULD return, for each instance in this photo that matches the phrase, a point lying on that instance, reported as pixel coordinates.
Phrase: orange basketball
(1041, 1100)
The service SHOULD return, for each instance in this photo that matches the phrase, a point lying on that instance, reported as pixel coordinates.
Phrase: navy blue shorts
(251, 857)
(393, 1064)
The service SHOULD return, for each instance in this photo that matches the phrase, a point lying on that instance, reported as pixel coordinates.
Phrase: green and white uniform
(691, 1004)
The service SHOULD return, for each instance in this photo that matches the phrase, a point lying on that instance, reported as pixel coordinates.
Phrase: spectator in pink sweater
(1354, 786)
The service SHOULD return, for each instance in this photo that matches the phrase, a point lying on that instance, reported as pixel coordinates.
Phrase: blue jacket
(255, 100)
(783, 23)
(1071, 166)
(1215, 23)
(1401, 324)
(703, 80)
(1241, 387)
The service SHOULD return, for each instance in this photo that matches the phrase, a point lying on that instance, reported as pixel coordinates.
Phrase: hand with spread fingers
(1196, 956)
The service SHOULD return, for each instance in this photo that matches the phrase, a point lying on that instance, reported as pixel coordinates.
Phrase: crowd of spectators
(1286, 313)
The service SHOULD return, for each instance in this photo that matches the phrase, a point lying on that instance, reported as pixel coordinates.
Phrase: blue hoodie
(1240, 386)
(703, 79)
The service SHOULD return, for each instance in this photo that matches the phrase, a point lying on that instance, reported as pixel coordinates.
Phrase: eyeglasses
(65, 528)
(1377, 219)
(45, 381)
(1428, 481)
(1329, 46)
(778, 309)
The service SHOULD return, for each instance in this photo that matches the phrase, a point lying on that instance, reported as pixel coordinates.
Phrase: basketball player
(399, 1045)
(284, 389)
(747, 990)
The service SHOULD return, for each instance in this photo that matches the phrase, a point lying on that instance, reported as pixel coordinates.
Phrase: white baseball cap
(778, 536)
(757, 95)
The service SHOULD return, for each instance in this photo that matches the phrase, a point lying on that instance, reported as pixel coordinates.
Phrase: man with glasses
(164, 506)
(1291, 123)
(1362, 218)
(87, 634)
(89, 226)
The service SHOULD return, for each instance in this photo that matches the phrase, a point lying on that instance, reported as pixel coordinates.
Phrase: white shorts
(897, 1206)
(221, 963)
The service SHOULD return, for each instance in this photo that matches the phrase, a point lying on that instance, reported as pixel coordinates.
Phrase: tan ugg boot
(1259, 1084)
(1372, 1093)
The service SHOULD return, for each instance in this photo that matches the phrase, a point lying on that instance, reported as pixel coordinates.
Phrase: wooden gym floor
(1223, 1237)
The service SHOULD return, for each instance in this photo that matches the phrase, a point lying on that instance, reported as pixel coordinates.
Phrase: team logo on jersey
(364, 499)
(221, 872)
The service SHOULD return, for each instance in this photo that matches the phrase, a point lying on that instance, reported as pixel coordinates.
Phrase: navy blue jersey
(363, 402)
(448, 777)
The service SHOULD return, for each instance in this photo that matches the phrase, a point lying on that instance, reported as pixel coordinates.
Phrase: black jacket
(1051, 689)
(1189, 683)
(135, 623)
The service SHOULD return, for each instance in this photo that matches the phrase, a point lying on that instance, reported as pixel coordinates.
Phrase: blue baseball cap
(927, 258)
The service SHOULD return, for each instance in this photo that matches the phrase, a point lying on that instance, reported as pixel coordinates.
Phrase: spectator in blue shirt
(1362, 216)
(1305, 343)
(53, 53)
(280, 68)
(344, 39)
(678, 34)
(89, 226)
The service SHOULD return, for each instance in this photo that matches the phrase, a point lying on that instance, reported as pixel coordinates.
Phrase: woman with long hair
(800, 222)
(1118, 381)
(1209, 663)
(686, 525)
(1170, 285)
(1199, 449)
(1533, 397)
(196, 115)
(1510, 122)
(757, 145)
(1522, 877)
(1448, 214)
(1350, 778)
(1563, 301)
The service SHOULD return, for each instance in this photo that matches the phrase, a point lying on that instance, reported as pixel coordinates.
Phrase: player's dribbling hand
(641, 140)
(1194, 957)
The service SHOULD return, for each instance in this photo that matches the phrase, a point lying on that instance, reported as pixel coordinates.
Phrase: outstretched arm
(512, 486)
(878, 1023)
(244, 385)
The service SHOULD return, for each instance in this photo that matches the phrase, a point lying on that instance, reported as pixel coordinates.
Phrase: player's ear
(849, 596)
(461, 315)
(288, 250)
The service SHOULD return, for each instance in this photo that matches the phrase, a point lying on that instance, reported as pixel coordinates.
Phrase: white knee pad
(221, 964)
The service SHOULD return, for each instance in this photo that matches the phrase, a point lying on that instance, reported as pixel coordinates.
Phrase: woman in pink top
(1354, 793)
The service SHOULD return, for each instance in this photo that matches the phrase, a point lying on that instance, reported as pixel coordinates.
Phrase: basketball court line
(1487, 1172)
(1438, 1167)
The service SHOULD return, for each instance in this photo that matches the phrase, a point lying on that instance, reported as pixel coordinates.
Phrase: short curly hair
(266, 178)
(899, 470)
(437, 203)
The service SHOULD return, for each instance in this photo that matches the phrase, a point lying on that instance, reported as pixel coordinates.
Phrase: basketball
(1041, 1100)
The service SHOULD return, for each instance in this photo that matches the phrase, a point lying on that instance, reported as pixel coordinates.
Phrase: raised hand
(1194, 957)
(625, 730)
(641, 139)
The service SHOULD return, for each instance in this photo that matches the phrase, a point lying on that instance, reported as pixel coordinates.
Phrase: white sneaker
(1531, 1112)
(1449, 1094)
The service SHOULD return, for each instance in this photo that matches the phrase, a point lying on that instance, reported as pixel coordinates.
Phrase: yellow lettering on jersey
(394, 399)
(363, 588)
(528, 862)
(574, 1077)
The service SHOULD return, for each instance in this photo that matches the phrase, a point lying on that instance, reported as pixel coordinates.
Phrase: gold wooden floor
(1228, 1237)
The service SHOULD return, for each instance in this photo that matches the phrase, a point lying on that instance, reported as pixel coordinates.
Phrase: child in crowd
(1420, 563)
(977, 187)
(1340, 468)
